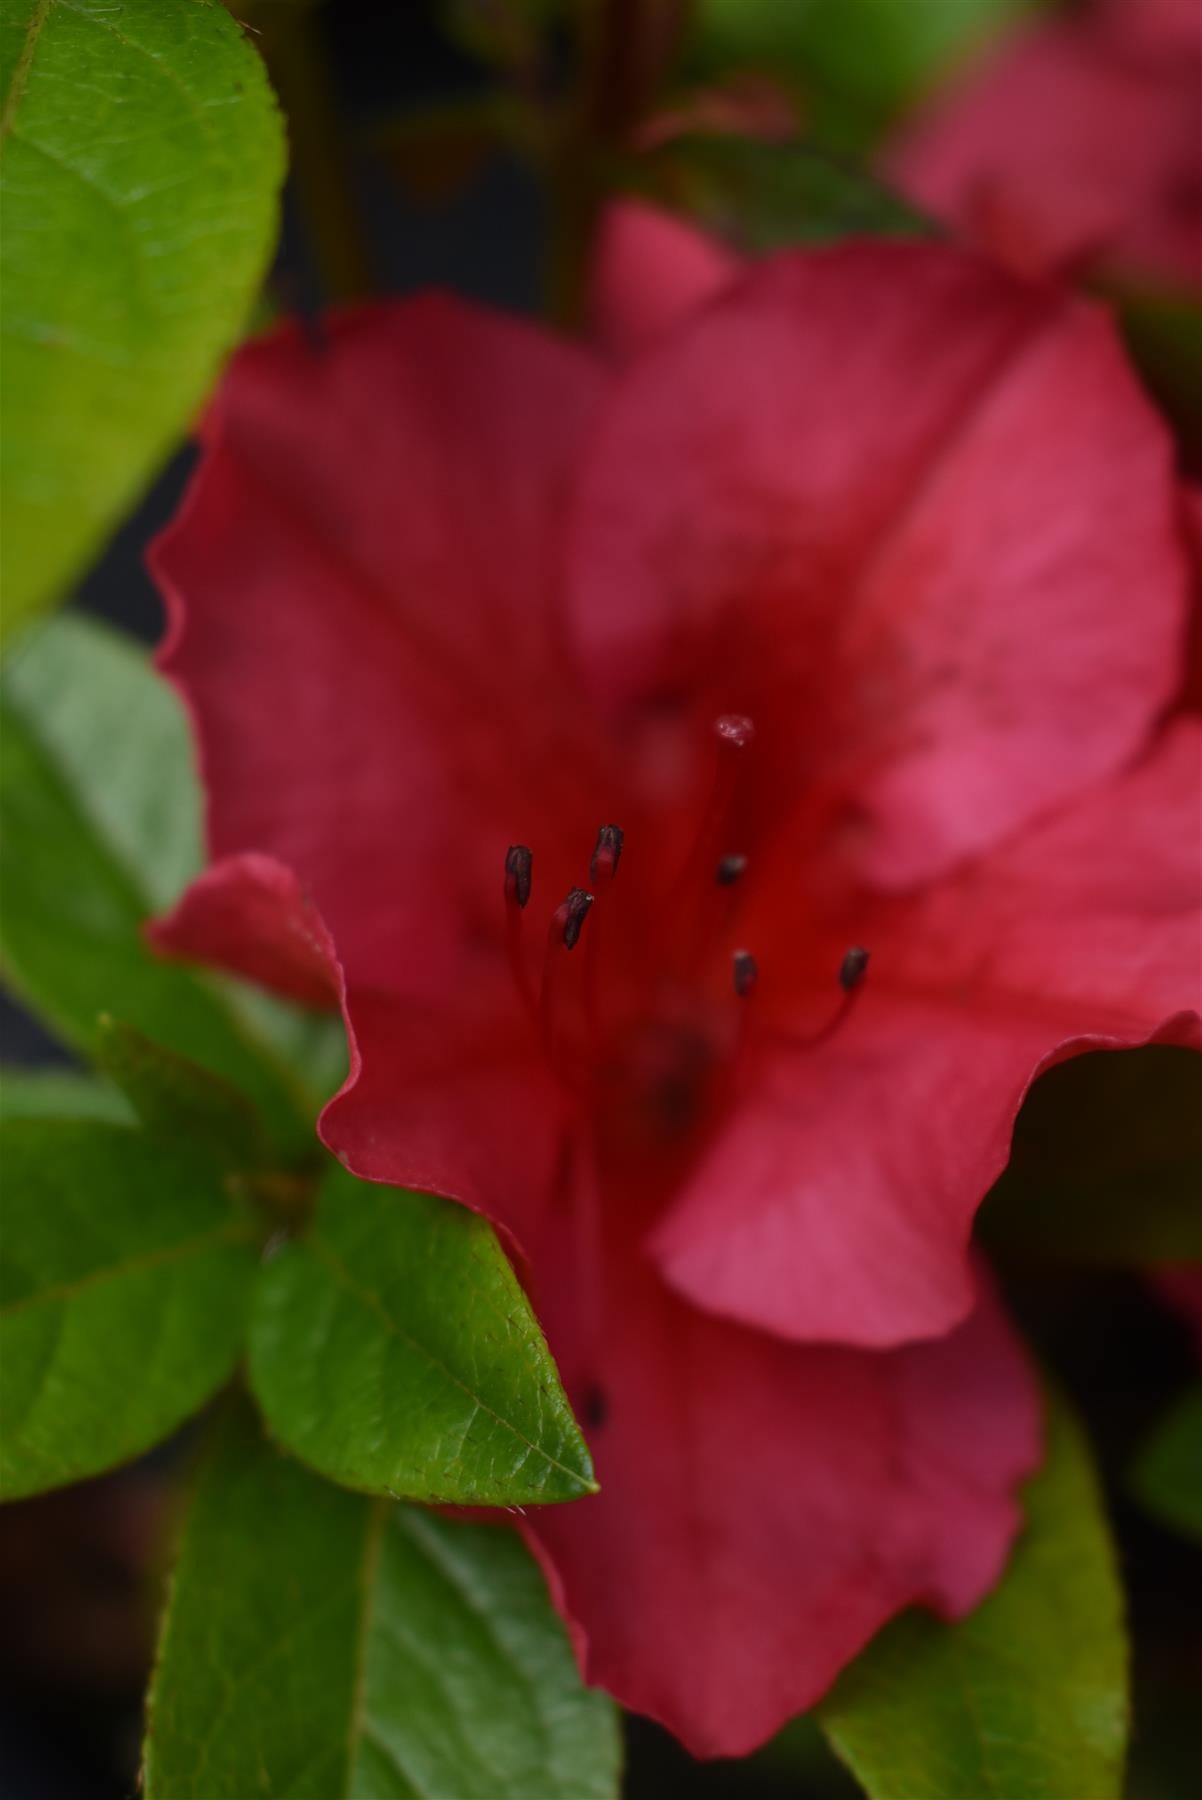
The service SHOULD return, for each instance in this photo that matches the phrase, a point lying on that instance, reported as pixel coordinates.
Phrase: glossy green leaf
(142, 159)
(764, 196)
(178, 1101)
(1106, 1162)
(1168, 1474)
(1026, 1698)
(57, 1093)
(873, 55)
(343, 1647)
(124, 1285)
(392, 1348)
(99, 815)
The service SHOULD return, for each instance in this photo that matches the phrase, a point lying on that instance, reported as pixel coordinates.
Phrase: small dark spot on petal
(594, 1409)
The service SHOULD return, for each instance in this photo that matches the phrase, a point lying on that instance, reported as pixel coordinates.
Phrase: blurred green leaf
(1026, 1698)
(874, 56)
(125, 1280)
(759, 195)
(143, 155)
(1163, 335)
(1106, 1162)
(117, 735)
(1168, 1473)
(338, 1645)
(179, 1102)
(56, 1093)
(99, 814)
(392, 1348)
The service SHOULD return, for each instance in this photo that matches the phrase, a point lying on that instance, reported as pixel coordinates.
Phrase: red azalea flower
(854, 602)
(1076, 141)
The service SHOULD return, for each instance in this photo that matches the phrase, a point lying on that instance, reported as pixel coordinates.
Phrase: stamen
(603, 866)
(568, 918)
(730, 870)
(607, 854)
(745, 971)
(851, 979)
(563, 933)
(519, 865)
(519, 868)
(732, 732)
(853, 968)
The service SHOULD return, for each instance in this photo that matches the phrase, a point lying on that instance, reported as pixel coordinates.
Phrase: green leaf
(123, 1293)
(117, 736)
(142, 159)
(874, 55)
(56, 1093)
(1026, 1698)
(338, 1646)
(1106, 1162)
(180, 1102)
(1168, 1473)
(392, 1348)
(1163, 335)
(100, 827)
(764, 196)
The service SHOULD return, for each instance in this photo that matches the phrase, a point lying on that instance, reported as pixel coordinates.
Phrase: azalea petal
(765, 1508)
(361, 596)
(435, 1102)
(649, 270)
(1163, 28)
(1192, 689)
(895, 506)
(1067, 143)
(436, 1099)
(250, 916)
(837, 1203)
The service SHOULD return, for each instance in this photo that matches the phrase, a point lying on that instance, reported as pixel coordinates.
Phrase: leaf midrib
(232, 1231)
(24, 62)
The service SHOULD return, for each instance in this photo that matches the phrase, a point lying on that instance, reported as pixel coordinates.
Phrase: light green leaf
(57, 1093)
(1168, 1473)
(99, 814)
(1106, 1162)
(1026, 1698)
(124, 1285)
(117, 736)
(142, 160)
(349, 1649)
(392, 1348)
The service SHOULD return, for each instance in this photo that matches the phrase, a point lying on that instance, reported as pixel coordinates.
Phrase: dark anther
(852, 968)
(607, 853)
(594, 1409)
(746, 972)
(730, 870)
(573, 912)
(735, 729)
(519, 863)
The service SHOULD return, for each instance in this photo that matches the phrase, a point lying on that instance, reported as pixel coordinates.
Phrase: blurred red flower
(855, 603)
(1074, 142)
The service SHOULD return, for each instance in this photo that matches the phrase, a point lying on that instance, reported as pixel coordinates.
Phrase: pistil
(563, 934)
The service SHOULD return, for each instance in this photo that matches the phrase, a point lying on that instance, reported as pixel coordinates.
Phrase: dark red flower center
(644, 1002)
